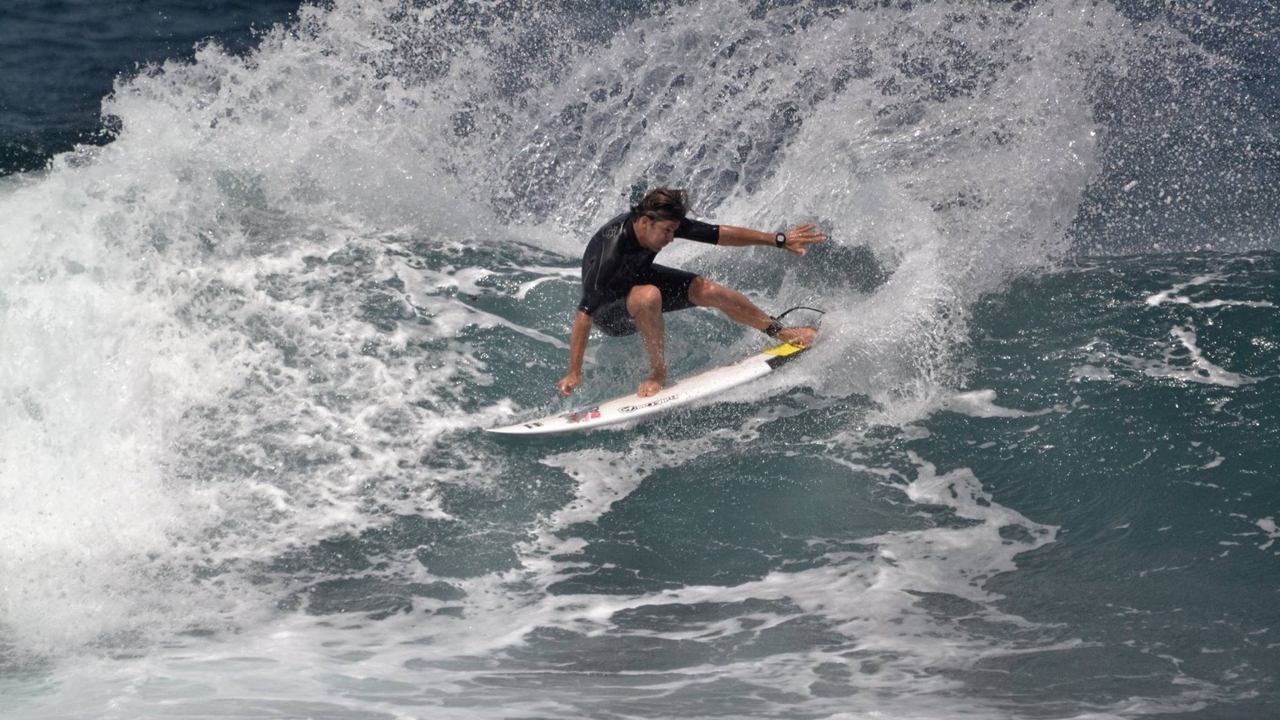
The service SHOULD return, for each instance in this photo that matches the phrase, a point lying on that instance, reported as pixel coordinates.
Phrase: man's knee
(703, 292)
(644, 298)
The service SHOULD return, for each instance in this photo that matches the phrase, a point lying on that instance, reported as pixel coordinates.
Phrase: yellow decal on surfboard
(783, 349)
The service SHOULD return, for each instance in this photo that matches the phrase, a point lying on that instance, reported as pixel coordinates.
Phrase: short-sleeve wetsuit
(615, 262)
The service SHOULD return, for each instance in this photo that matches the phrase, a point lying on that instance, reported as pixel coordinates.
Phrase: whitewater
(249, 347)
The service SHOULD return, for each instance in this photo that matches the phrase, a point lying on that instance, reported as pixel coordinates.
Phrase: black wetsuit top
(615, 262)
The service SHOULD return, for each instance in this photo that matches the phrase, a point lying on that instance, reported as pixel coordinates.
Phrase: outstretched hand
(802, 236)
(569, 384)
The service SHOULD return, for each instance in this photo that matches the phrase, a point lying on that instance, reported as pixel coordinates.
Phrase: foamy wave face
(953, 142)
(270, 311)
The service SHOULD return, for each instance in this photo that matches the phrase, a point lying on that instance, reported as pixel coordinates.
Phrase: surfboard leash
(800, 307)
(775, 323)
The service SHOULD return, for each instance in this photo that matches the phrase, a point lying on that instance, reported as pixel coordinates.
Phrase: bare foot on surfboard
(652, 384)
(802, 336)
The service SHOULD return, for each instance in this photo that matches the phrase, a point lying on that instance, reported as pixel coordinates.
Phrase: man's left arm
(796, 240)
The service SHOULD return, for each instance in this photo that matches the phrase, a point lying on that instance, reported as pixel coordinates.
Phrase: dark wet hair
(662, 204)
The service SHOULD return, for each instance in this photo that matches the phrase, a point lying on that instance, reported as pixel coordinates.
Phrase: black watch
(780, 239)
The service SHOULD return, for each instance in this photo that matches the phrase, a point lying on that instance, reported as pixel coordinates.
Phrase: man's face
(655, 234)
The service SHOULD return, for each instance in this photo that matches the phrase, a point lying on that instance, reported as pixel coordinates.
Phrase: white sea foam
(602, 477)
(461, 667)
(1201, 370)
(1084, 373)
(982, 403)
(1182, 360)
(1171, 296)
(241, 333)
(1215, 462)
(1268, 526)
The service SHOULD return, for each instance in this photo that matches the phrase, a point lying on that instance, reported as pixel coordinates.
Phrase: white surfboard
(680, 392)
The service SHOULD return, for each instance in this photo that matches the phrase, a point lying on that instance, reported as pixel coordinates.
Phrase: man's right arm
(577, 350)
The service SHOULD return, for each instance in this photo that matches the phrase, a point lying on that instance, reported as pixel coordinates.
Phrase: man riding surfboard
(624, 291)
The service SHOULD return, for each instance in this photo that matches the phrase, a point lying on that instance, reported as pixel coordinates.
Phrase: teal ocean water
(254, 323)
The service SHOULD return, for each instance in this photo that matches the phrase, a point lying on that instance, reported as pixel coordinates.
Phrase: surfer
(624, 291)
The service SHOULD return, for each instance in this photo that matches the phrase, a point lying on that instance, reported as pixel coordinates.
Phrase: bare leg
(705, 293)
(644, 303)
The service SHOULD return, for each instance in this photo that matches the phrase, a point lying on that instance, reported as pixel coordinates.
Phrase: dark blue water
(58, 59)
(268, 271)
